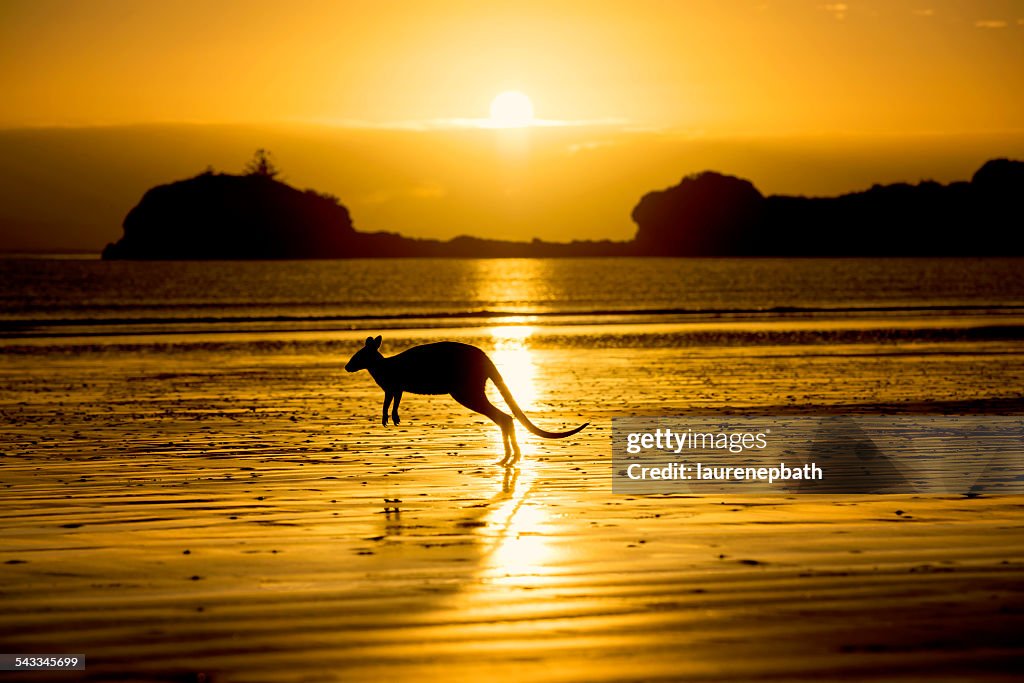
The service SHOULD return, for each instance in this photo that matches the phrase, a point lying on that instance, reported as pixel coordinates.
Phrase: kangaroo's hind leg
(476, 400)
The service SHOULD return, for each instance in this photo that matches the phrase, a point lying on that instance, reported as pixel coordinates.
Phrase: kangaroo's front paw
(384, 420)
(394, 418)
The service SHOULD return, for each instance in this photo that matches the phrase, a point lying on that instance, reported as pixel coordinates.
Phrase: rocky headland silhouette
(257, 216)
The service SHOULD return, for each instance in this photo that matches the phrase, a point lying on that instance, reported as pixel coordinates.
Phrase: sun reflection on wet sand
(518, 548)
(515, 362)
(511, 354)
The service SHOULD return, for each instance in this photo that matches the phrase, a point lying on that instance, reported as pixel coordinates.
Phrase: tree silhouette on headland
(261, 165)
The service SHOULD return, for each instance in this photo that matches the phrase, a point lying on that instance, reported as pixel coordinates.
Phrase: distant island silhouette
(256, 216)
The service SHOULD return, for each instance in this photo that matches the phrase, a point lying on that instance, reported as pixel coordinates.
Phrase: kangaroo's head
(367, 356)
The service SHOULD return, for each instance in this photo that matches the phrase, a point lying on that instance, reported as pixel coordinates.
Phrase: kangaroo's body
(446, 368)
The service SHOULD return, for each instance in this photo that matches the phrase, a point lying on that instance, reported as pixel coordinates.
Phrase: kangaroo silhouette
(452, 368)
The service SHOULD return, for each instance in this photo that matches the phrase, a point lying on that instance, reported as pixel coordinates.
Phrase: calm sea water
(50, 297)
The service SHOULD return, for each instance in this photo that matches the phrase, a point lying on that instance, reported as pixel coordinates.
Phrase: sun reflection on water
(513, 285)
(518, 548)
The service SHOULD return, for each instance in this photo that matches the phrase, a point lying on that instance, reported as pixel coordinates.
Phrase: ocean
(77, 304)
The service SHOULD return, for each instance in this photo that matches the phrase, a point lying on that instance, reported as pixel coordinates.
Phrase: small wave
(884, 340)
(29, 326)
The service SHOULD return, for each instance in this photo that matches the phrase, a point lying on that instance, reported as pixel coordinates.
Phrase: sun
(511, 109)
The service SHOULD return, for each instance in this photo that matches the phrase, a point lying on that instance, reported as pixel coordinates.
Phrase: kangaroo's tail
(521, 416)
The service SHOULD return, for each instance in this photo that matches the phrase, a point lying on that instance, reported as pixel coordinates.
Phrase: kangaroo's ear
(369, 341)
(377, 342)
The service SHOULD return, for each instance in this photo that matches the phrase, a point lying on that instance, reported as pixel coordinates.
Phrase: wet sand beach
(198, 513)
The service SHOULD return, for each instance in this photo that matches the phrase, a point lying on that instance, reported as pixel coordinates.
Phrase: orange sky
(733, 67)
(797, 80)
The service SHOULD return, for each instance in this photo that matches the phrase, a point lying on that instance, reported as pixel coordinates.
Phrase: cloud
(457, 123)
(836, 9)
(926, 12)
(990, 23)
